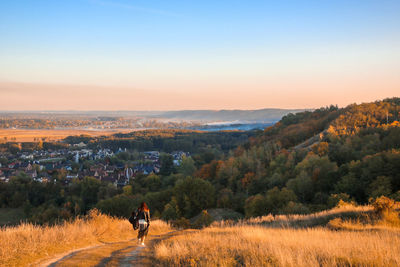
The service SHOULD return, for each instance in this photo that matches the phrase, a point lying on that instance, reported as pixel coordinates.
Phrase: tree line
(307, 162)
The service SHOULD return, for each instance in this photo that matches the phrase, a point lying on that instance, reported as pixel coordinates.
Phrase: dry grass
(291, 240)
(261, 246)
(385, 216)
(25, 244)
(362, 225)
(345, 210)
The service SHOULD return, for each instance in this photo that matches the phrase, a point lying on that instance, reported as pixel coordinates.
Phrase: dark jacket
(143, 215)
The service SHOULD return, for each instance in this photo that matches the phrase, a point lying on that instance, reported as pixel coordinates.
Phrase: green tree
(350, 185)
(187, 166)
(89, 189)
(120, 205)
(127, 189)
(255, 206)
(152, 182)
(381, 186)
(167, 164)
(320, 170)
(194, 195)
(107, 190)
(171, 210)
(276, 200)
(302, 186)
(225, 198)
(157, 200)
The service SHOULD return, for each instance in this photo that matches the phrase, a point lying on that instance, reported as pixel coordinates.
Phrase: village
(77, 162)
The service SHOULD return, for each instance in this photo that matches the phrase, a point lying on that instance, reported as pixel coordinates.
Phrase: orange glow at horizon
(286, 94)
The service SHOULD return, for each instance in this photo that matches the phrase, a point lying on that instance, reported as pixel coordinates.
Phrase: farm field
(30, 135)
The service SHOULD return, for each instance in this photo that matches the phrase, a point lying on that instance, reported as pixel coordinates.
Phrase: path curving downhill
(124, 254)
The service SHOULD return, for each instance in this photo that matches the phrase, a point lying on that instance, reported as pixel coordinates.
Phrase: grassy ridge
(27, 243)
(347, 235)
(344, 236)
(261, 246)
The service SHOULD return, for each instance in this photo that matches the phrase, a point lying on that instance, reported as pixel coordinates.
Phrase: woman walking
(143, 216)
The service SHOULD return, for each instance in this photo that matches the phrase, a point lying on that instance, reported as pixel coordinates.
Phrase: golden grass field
(288, 241)
(29, 135)
(27, 243)
(347, 235)
(261, 246)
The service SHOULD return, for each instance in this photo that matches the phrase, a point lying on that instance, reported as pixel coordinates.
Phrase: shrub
(182, 223)
(385, 209)
(335, 199)
(295, 208)
(203, 220)
(383, 204)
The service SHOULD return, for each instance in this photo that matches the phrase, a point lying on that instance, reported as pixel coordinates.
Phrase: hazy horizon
(50, 100)
(149, 111)
(158, 55)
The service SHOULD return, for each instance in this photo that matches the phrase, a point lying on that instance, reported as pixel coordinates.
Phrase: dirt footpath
(128, 253)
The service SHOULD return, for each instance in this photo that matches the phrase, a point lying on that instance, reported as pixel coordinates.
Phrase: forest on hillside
(311, 160)
(307, 162)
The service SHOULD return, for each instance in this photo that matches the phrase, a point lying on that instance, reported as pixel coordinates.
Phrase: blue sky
(82, 25)
(197, 47)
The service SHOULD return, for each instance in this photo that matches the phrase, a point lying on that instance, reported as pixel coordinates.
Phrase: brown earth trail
(127, 253)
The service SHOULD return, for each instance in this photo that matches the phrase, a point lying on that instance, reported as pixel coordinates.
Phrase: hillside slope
(310, 160)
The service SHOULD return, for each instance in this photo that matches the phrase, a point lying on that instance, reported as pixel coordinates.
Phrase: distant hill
(141, 119)
(261, 115)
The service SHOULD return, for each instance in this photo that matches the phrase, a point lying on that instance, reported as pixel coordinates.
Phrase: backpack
(134, 221)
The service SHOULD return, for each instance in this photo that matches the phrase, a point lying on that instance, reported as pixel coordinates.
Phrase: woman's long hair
(143, 207)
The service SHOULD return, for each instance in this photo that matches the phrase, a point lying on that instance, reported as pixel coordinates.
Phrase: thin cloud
(134, 7)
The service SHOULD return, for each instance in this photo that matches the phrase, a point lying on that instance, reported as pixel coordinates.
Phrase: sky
(173, 55)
